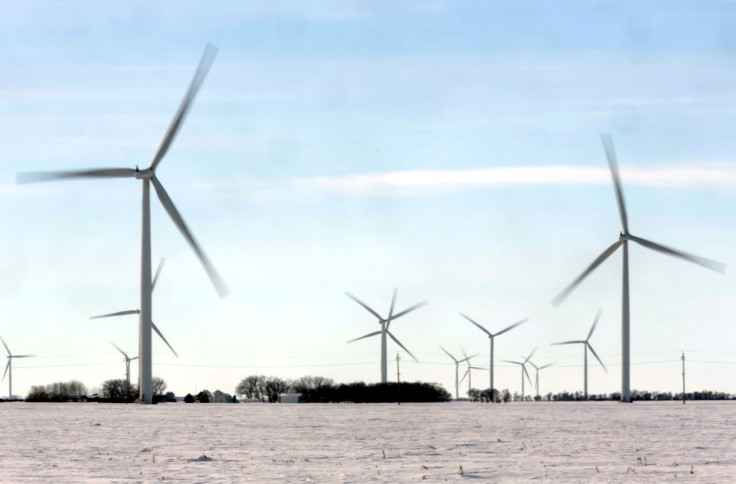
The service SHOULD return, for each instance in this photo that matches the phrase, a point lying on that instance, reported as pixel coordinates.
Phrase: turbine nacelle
(146, 174)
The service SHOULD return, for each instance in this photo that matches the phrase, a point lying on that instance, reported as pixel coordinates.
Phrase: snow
(550, 442)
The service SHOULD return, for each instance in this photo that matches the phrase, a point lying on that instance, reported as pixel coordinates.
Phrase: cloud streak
(427, 182)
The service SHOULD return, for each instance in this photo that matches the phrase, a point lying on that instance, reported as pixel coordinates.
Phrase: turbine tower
(491, 336)
(468, 372)
(9, 367)
(137, 311)
(385, 323)
(148, 177)
(127, 363)
(586, 346)
(623, 241)
(537, 369)
(523, 370)
(457, 370)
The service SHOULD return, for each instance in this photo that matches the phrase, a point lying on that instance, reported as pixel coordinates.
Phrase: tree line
(504, 396)
(317, 389)
(115, 390)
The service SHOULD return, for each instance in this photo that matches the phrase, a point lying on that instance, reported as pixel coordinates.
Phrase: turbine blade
(6, 346)
(366, 336)
(117, 348)
(479, 368)
(547, 365)
(566, 292)
(408, 310)
(466, 374)
(6, 370)
(42, 176)
(567, 342)
(24, 356)
(612, 163)
(205, 63)
(402, 346)
(120, 313)
(523, 367)
(707, 263)
(477, 324)
(535, 366)
(393, 304)
(179, 222)
(596, 357)
(514, 362)
(158, 272)
(595, 323)
(512, 326)
(365, 306)
(531, 354)
(467, 358)
(153, 326)
(448, 354)
(134, 358)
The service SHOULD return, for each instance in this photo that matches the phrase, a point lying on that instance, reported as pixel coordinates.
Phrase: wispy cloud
(426, 182)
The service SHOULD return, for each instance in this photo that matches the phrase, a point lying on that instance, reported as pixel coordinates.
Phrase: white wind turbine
(491, 336)
(468, 372)
(148, 177)
(457, 370)
(523, 370)
(537, 369)
(137, 311)
(127, 363)
(385, 323)
(587, 346)
(623, 240)
(9, 367)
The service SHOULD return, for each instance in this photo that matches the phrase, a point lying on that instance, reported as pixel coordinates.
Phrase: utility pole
(398, 380)
(683, 378)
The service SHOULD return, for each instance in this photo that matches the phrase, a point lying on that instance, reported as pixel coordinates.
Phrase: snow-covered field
(562, 442)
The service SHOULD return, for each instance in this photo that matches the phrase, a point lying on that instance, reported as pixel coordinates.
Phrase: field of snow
(561, 442)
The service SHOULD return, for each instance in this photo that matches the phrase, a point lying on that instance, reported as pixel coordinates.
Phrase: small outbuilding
(290, 398)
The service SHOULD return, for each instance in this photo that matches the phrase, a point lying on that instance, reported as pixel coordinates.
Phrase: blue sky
(450, 149)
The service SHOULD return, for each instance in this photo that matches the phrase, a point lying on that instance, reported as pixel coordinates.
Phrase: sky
(450, 149)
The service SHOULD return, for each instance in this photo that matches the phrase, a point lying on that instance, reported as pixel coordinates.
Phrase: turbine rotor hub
(146, 174)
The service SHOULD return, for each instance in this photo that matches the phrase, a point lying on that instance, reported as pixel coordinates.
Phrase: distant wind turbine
(468, 372)
(385, 323)
(127, 363)
(457, 370)
(137, 311)
(148, 177)
(586, 346)
(523, 370)
(623, 240)
(538, 368)
(491, 336)
(9, 367)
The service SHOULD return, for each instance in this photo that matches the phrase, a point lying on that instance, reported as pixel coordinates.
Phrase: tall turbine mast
(9, 367)
(491, 336)
(384, 332)
(623, 241)
(457, 370)
(148, 177)
(587, 346)
(523, 370)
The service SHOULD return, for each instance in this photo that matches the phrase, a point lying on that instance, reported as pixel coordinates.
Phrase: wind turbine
(148, 177)
(586, 346)
(9, 367)
(468, 371)
(623, 240)
(127, 363)
(537, 368)
(137, 311)
(523, 370)
(491, 336)
(457, 370)
(385, 323)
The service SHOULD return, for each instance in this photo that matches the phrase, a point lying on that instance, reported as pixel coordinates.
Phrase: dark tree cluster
(316, 389)
(57, 392)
